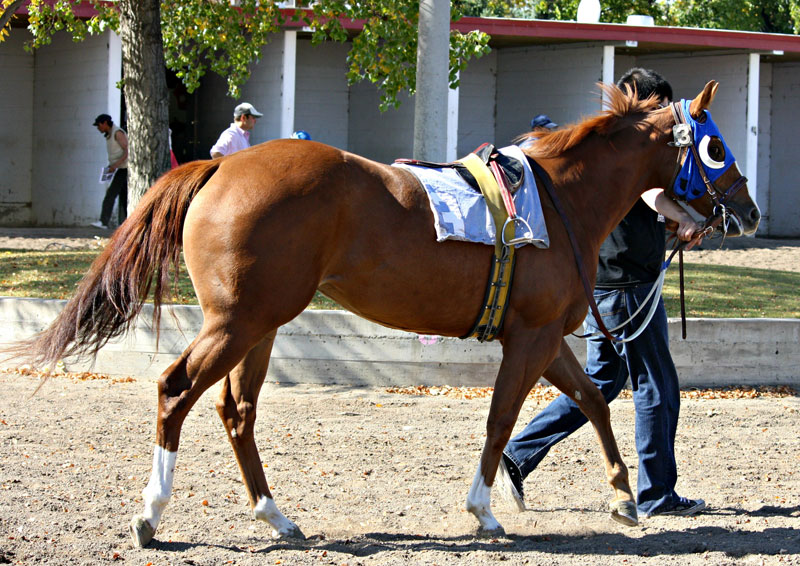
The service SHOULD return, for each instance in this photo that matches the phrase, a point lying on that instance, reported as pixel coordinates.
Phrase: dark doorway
(182, 119)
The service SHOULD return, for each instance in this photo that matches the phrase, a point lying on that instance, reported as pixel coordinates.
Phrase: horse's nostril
(755, 215)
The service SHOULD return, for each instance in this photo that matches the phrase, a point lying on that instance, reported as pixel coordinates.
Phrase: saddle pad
(460, 212)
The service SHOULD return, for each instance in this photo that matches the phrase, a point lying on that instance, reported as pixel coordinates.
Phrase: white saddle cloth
(460, 212)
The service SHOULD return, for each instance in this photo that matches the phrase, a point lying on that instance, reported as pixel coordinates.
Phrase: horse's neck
(605, 189)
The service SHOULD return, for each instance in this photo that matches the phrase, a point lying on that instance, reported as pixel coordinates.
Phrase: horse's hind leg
(566, 373)
(220, 345)
(237, 408)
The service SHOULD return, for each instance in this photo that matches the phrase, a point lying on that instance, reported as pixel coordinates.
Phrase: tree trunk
(145, 95)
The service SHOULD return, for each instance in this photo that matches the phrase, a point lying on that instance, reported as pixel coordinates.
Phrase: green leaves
(385, 52)
(201, 36)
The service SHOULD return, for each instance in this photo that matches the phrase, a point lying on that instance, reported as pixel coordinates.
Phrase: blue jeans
(656, 397)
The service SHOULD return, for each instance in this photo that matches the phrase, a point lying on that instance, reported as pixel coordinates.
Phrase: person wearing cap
(117, 148)
(237, 136)
(540, 121)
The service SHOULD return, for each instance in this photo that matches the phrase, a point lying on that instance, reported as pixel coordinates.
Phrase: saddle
(496, 176)
(510, 167)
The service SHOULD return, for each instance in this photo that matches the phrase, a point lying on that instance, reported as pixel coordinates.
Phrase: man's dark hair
(647, 83)
(103, 119)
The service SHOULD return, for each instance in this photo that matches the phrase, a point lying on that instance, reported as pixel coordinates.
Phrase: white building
(52, 155)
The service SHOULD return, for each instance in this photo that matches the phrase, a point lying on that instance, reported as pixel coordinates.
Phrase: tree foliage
(385, 51)
(201, 36)
(770, 16)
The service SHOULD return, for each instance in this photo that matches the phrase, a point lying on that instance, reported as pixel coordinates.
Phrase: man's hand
(687, 228)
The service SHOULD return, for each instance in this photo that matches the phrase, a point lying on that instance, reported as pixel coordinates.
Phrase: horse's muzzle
(743, 222)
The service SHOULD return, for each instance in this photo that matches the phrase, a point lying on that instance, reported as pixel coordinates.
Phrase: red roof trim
(500, 28)
(543, 29)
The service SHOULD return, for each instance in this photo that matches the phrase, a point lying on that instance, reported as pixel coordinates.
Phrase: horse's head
(708, 179)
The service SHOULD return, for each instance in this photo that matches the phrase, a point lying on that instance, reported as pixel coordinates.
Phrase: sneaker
(510, 482)
(99, 224)
(683, 508)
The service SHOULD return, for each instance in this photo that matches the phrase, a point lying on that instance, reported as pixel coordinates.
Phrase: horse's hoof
(141, 531)
(624, 512)
(292, 532)
(496, 532)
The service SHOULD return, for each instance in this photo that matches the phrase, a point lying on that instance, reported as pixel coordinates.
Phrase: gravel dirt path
(376, 478)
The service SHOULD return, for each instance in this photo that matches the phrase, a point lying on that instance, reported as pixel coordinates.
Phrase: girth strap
(498, 290)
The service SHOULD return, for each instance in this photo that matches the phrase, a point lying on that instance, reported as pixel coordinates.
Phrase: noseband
(684, 141)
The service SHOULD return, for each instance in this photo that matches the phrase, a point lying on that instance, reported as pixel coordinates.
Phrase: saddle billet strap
(587, 288)
(498, 291)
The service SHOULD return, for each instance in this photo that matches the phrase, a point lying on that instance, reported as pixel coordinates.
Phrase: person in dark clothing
(629, 264)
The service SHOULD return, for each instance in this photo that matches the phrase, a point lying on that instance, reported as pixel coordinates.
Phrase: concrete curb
(339, 347)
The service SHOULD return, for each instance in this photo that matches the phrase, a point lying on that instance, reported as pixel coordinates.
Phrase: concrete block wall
(264, 91)
(557, 81)
(71, 88)
(382, 136)
(477, 104)
(784, 196)
(339, 347)
(689, 72)
(322, 93)
(16, 130)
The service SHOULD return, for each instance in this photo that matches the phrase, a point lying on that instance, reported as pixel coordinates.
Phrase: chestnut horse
(264, 228)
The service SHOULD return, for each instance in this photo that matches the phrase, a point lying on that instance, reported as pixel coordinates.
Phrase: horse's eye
(712, 152)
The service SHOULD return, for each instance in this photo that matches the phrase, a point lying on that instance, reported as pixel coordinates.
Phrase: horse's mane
(619, 105)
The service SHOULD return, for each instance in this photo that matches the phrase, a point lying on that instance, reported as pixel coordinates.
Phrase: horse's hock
(339, 347)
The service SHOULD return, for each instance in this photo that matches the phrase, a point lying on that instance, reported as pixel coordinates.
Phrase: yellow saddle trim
(498, 290)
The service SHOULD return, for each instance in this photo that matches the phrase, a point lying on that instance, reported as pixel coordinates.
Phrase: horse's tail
(142, 253)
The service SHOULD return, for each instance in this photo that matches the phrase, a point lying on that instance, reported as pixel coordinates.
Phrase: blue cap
(542, 121)
(301, 135)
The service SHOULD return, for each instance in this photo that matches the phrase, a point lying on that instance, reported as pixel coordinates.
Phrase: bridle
(683, 139)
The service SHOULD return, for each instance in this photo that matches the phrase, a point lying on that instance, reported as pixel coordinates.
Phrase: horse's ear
(703, 100)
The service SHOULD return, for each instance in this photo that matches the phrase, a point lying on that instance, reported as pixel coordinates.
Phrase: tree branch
(8, 12)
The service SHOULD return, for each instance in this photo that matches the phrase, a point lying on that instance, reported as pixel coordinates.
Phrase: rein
(684, 140)
(587, 288)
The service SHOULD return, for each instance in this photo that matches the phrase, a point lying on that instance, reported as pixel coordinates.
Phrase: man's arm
(661, 203)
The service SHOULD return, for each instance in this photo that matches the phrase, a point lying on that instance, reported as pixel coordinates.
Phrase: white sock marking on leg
(159, 488)
(479, 503)
(266, 510)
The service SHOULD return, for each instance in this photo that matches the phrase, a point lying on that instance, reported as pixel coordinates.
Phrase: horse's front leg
(237, 409)
(525, 355)
(566, 373)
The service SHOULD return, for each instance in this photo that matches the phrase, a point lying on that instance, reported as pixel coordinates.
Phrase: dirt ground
(373, 477)
(376, 478)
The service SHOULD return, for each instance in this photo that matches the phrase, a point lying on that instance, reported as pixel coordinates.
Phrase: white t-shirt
(231, 140)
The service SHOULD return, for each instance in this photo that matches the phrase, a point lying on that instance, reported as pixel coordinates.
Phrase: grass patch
(721, 291)
(55, 275)
(713, 291)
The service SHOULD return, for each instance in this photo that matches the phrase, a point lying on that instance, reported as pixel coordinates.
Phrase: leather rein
(684, 140)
